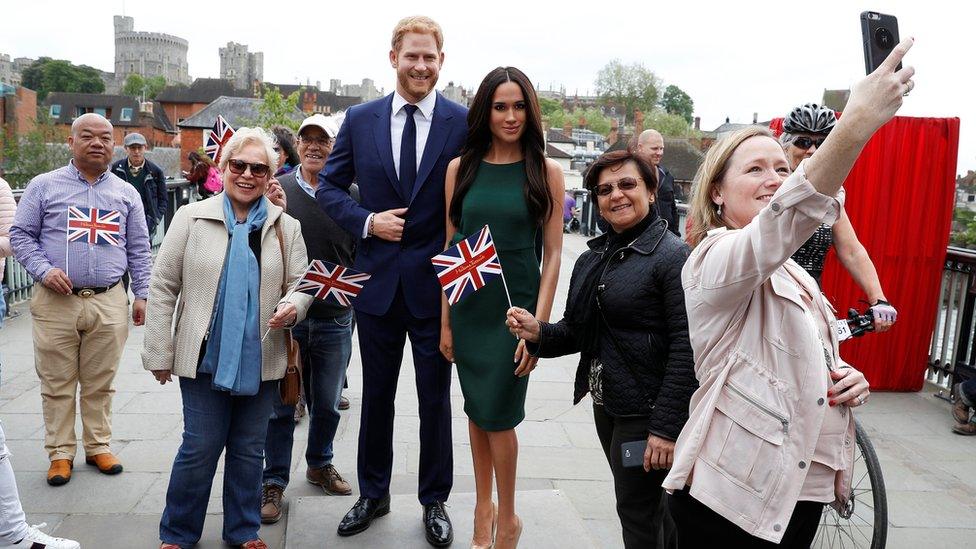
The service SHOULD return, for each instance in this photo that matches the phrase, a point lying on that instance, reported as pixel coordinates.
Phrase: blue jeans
(326, 345)
(215, 420)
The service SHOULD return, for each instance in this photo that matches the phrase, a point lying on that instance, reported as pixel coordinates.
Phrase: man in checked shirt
(79, 309)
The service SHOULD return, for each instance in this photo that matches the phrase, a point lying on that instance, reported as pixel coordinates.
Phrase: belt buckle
(86, 292)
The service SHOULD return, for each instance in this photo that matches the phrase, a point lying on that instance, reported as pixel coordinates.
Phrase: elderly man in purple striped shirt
(78, 229)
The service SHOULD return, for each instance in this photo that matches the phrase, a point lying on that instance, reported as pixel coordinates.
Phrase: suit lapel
(384, 146)
(436, 139)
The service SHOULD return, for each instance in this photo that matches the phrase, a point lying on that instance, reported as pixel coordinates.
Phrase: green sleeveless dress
(494, 397)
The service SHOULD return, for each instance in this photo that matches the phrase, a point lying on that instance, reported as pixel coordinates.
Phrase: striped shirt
(39, 233)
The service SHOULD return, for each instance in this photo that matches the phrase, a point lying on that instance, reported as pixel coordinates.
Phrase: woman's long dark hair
(536, 188)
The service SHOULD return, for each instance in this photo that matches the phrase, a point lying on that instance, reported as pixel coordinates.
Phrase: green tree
(276, 109)
(676, 101)
(628, 86)
(673, 125)
(149, 88)
(37, 151)
(48, 75)
(595, 120)
(549, 106)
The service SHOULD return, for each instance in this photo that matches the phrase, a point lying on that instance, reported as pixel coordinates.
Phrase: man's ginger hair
(419, 24)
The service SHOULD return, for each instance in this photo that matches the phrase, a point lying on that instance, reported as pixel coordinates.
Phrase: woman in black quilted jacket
(625, 315)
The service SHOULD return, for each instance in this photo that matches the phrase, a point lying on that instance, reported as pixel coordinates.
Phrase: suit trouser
(381, 341)
(78, 341)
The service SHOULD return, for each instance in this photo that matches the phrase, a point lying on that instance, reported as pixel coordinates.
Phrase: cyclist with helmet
(804, 130)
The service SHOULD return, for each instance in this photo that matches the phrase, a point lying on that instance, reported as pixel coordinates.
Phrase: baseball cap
(328, 124)
(134, 139)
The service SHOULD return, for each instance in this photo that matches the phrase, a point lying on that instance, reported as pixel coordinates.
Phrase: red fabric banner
(900, 198)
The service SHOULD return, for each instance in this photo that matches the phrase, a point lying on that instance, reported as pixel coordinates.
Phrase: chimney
(309, 99)
(755, 118)
(568, 128)
(146, 107)
(318, 85)
(726, 119)
(698, 123)
(614, 134)
(638, 121)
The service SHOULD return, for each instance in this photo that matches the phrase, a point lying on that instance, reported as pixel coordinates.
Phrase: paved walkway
(929, 471)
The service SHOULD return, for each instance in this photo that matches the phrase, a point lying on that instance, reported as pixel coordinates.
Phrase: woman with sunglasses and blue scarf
(804, 130)
(222, 273)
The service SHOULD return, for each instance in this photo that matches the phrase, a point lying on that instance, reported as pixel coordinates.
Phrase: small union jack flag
(94, 226)
(218, 137)
(467, 266)
(331, 282)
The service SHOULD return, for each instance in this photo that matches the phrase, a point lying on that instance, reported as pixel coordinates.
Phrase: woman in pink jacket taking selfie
(770, 437)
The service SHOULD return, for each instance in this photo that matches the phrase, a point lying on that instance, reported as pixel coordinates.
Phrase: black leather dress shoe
(362, 514)
(438, 525)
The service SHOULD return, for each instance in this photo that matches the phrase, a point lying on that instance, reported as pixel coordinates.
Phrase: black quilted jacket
(648, 368)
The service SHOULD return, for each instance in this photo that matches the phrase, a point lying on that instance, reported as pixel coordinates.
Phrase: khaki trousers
(78, 341)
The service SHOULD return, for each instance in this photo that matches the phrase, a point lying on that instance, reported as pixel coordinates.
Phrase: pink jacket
(7, 208)
(756, 417)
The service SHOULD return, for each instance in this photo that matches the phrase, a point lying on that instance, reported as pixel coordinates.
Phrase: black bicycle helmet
(810, 118)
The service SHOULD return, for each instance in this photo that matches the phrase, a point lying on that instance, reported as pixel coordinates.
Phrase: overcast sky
(733, 58)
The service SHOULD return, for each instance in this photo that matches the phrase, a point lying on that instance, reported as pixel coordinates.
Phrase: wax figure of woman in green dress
(502, 179)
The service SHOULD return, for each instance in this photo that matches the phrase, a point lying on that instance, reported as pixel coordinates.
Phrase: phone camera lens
(884, 39)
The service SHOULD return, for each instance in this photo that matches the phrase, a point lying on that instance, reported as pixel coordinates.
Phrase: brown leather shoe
(330, 480)
(106, 463)
(271, 495)
(60, 472)
(960, 411)
(253, 544)
(967, 429)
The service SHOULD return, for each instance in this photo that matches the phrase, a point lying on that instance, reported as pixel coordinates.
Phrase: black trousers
(640, 503)
(699, 526)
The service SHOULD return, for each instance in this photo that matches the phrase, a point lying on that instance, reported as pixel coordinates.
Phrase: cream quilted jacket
(7, 209)
(184, 283)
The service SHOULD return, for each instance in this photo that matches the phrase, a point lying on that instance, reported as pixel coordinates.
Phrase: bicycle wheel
(863, 522)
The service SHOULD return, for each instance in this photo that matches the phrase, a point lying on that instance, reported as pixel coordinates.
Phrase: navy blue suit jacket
(363, 153)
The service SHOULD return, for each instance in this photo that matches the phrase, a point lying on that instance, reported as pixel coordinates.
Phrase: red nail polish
(830, 393)
(832, 402)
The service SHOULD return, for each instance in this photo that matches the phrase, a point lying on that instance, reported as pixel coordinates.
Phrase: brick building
(125, 113)
(18, 109)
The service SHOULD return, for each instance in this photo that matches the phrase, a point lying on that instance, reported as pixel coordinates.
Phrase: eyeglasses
(237, 167)
(320, 141)
(625, 184)
(804, 142)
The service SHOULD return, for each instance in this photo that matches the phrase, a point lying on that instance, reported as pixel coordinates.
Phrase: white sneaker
(36, 539)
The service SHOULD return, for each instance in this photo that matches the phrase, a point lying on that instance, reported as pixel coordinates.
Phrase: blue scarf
(233, 354)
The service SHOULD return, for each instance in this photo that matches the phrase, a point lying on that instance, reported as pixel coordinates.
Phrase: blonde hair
(419, 24)
(250, 136)
(702, 212)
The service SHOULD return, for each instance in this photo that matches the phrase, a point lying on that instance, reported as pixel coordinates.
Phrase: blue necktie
(408, 154)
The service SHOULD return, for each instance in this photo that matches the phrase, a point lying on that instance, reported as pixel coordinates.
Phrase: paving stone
(549, 518)
(930, 509)
(23, 426)
(88, 492)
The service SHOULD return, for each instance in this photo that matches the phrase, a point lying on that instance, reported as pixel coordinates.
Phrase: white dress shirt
(423, 117)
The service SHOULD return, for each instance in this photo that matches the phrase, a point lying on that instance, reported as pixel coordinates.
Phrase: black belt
(88, 292)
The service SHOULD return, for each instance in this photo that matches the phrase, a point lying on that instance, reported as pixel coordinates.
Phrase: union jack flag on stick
(467, 266)
(331, 282)
(328, 282)
(219, 136)
(94, 226)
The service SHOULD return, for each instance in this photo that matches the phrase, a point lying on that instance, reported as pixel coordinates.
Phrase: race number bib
(841, 329)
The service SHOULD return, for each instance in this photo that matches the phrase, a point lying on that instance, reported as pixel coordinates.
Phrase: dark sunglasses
(237, 167)
(625, 184)
(804, 142)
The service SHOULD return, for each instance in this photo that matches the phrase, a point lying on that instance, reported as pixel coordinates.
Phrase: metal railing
(952, 348)
(19, 284)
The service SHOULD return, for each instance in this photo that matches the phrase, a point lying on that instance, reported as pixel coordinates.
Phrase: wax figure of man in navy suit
(397, 148)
